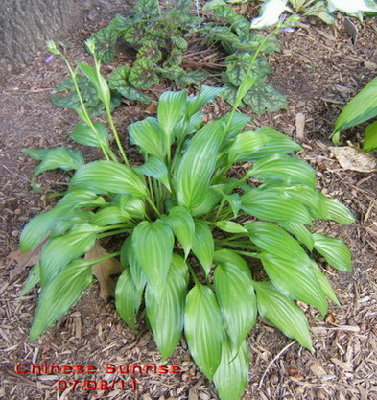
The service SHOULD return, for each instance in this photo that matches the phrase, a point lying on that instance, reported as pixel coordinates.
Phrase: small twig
(272, 362)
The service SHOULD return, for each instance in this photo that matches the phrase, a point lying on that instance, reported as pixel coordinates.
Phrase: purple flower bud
(49, 58)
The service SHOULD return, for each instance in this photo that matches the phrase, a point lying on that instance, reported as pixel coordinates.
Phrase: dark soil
(319, 69)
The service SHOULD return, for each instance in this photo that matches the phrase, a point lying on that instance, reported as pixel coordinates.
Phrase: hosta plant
(361, 108)
(194, 233)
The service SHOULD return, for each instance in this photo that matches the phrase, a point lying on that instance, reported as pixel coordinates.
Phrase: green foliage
(187, 250)
(361, 108)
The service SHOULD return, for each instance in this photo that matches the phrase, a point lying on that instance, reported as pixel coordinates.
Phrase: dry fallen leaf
(354, 160)
(104, 270)
(24, 260)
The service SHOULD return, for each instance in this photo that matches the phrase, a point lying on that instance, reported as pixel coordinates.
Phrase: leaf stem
(102, 259)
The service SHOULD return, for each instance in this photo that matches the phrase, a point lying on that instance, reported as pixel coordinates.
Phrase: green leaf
(153, 243)
(231, 376)
(134, 207)
(204, 329)
(60, 294)
(303, 235)
(238, 65)
(210, 199)
(128, 259)
(265, 204)
(97, 80)
(288, 169)
(109, 177)
(197, 165)
(156, 168)
(206, 95)
(165, 313)
(295, 279)
(360, 109)
(234, 201)
(231, 227)
(105, 40)
(146, 8)
(370, 141)
(183, 226)
(352, 6)
(110, 215)
(282, 312)
(235, 294)
(119, 80)
(276, 241)
(149, 136)
(85, 135)
(61, 250)
(203, 245)
(325, 284)
(143, 74)
(334, 210)
(171, 108)
(239, 121)
(254, 145)
(58, 158)
(335, 252)
(264, 98)
(127, 298)
(31, 280)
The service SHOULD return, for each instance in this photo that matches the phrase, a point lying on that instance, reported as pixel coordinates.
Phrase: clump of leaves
(244, 48)
(192, 233)
(161, 39)
(361, 108)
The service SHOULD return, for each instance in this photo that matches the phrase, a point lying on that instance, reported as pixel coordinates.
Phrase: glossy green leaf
(183, 226)
(85, 135)
(31, 280)
(203, 245)
(58, 158)
(302, 234)
(204, 329)
(360, 109)
(231, 227)
(238, 122)
(235, 203)
(110, 215)
(134, 207)
(156, 168)
(166, 312)
(335, 252)
(61, 250)
(231, 376)
(60, 294)
(128, 259)
(334, 210)
(370, 140)
(109, 177)
(254, 145)
(276, 241)
(171, 108)
(235, 294)
(206, 95)
(295, 279)
(152, 244)
(267, 205)
(288, 169)
(127, 298)
(325, 284)
(210, 199)
(97, 80)
(149, 136)
(198, 164)
(282, 312)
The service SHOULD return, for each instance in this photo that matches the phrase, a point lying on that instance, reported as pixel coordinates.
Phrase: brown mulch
(319, 69)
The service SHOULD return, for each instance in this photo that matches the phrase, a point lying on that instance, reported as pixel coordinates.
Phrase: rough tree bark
(26, 24)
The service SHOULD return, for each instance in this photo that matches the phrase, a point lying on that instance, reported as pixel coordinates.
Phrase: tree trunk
(25, 25)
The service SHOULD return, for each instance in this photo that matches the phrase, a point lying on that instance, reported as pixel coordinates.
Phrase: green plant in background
(244, 48)
(193, 234)
(161, 40)
(362, 108)
(271, 10)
